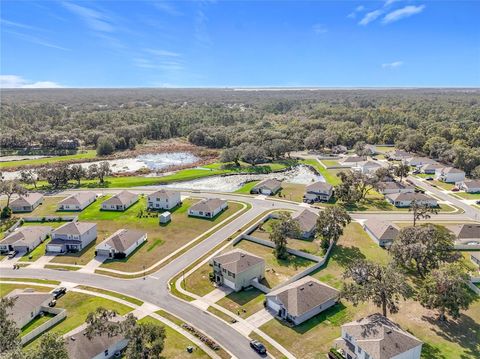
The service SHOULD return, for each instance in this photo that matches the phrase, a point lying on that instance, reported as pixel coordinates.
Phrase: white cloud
(392, 65)
(358, 9)
(390, 2)
(17, 24)
(162, 65)
(163, 53)
(402, 13)
(167, 8)
(94, 19)
(14, 81)
(370, 16)
(319, 29)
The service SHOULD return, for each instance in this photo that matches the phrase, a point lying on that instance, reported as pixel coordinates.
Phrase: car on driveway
(12, 254)
(429, 178)
(58, 292)
(258, 347)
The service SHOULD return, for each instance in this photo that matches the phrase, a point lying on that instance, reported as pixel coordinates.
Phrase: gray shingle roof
(307, 220)
(394, 185)
(208, 205)
(26, 235)
(123, 239)
(74, 228)
(319, 186)
(26, 302)
(466, 231)
(472, 183)
(353, 159)
(303, 295)
(237, 260)
(272, 184)
(380, 337)
(382, 229)
(164, 194)
(410, 197)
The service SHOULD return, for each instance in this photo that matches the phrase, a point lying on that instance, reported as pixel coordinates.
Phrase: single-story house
(27, 305)
(470, 186)
(430, 168)
(121, 244)
(351, 161)
(399, 155)
(419, 161)
(208, 208)
(377, 337)
(72, 237)
(367, 167)
(120, 202)
(268, 187)
(382, 232)
(103, 346)
(466, 235)
(301, 300)
(395, 187)
(26, 203)
(318, 192)
(236, 269)
(77, 201)
(307, 223)
(25, 239)
(164, 199)
(449, 175)
(406, 199)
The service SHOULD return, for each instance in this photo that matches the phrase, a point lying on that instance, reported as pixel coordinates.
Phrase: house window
(367, 356)
(106, 352)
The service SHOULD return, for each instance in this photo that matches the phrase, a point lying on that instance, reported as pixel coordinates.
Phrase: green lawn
(36, 322)
(443, 185)
(291, 192)
(312, 339)
(47, 160)
(329, 175)
(7, 288)
(61, 267)
(247, 187)
(31, 280)
(276, 270)
(78, 306)
(466, 195)
(162, 240)
(176, 343)
(330, 163)
(198, 282)
(243, 303)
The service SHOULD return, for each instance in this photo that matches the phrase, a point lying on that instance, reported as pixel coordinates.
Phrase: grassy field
(113, 294)
(84, 155)
(162, 240)
(466, 195)
(454, 339)
(61, 267)
(276, 270)
(291, 192)
(246, 188)
(329, 175)
(198, 282)
(78, 306)
(243, 303)
(176, 343)
(30, 280)
(6, 288)
(330, 163)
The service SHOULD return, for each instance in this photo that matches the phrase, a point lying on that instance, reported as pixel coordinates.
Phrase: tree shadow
(344, 256)
(430, 352)
(464, 331)
(331, 316)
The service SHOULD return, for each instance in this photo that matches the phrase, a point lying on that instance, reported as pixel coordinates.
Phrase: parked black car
(58, 292)
(258, 347)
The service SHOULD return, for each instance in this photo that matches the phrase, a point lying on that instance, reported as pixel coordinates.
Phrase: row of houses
(467, 235)
(402, 194)
(315, 192)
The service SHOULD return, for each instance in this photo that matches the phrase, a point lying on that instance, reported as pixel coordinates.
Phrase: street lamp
(144, 274)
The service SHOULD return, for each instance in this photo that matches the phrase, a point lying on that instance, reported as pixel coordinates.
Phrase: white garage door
(55, 249)
(229, 284)
(274, 306)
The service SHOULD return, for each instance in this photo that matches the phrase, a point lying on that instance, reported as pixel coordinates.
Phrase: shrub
(6, 212)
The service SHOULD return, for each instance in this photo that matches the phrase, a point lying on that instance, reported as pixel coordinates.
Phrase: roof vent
(302, 288)
(310, 284)
(72, 339)
(242, 255)
(389, 331)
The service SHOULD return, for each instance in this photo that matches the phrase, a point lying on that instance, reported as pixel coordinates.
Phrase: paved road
(154, 289)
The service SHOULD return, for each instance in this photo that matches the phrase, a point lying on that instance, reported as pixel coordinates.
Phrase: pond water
(154, 162)
(298, 175)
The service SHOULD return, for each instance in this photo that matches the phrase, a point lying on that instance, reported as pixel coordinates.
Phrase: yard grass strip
(89, 154)
(220, 314)
(61, 267)
(30, 280)
(111, 293)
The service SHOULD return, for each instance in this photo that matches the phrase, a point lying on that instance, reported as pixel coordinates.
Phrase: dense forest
(444, 124)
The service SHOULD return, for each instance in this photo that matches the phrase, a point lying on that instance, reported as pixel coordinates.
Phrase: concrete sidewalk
(40, 262)
(93, 264)
(217, 294)
(259, 318)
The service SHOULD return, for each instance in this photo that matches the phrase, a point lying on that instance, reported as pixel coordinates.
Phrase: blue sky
(389, 43)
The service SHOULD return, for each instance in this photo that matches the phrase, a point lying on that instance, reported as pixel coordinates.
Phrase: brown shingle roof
(380, 337)
(303, 295)
(238, 260)
(78, 198)
(472, 183)
(208, 205)
(74, 228)
(123, 239)
(272, 184)
(121, 198)
(27, 200)
(409, 197)
(395, 185)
